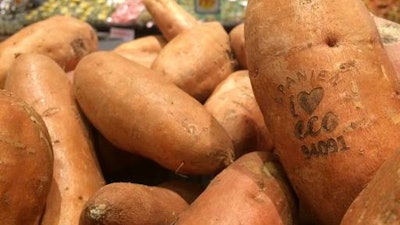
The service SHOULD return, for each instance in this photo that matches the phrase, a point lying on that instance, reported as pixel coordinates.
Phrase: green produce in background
(12, 15)
(94, 12)
(228, 12)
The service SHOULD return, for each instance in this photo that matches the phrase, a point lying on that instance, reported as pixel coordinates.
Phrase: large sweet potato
(64, 39)
(133, 204)
(252, 190)
(42, 83)
(26, 162)
(329, 96)
(197, 60)
(138, 111)
(234, 106)
(378, 203)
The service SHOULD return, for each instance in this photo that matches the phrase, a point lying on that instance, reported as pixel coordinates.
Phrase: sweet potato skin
(236, 38)
(378, 203)
(170, 18)
(132, 106)
(66, 46)
(143, 50)
(26, 162)
(42, 83)
(234, 106)
(196, 62)
(318, 83)
(134, 204)
(150, 43)
(252, 190)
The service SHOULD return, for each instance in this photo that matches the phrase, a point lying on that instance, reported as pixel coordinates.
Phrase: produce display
(289, 118)
(127, 13)
(12, 15)
(228, 13)
(94, 12)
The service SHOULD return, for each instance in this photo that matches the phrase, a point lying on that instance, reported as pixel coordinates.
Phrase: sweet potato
(378, 203)
(252, 190)
(150, 43)
(234, 106)
(143, 50)
(133, 204)
(42, 83)
(329, 96)
(66, 44)
(26, 162)
(236, 38)
(196, 62)
(171, 19)
(138, 111)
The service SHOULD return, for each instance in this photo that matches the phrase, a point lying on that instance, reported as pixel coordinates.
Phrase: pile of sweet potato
(189, 127)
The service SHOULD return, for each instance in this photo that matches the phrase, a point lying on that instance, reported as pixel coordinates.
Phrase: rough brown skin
(43, 84)
(26, 162)
(234, 106)
(378, 203)
(196, 62)
(252, 190)
(138, 111)
(133, 204)
(309, 61)
(170, 18)
(143, 50)
(66, 46)
(236, 38)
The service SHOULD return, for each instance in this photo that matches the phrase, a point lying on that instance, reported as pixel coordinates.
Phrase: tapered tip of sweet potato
(94, 214)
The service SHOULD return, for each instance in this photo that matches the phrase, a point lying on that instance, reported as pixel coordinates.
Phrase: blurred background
(128, 19)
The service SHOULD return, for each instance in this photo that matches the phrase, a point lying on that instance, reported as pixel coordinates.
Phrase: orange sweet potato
(66, 44)
(143, 50)
(234, 106)
(138, 111)
(26, 162)
(133, 204)
(236, 38)
(252, 190)
(170, 18)
(196, 62)
(378, 203)
(42, 83)
(329, 96)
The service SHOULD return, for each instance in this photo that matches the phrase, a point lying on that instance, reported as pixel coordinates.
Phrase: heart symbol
(310, 101)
